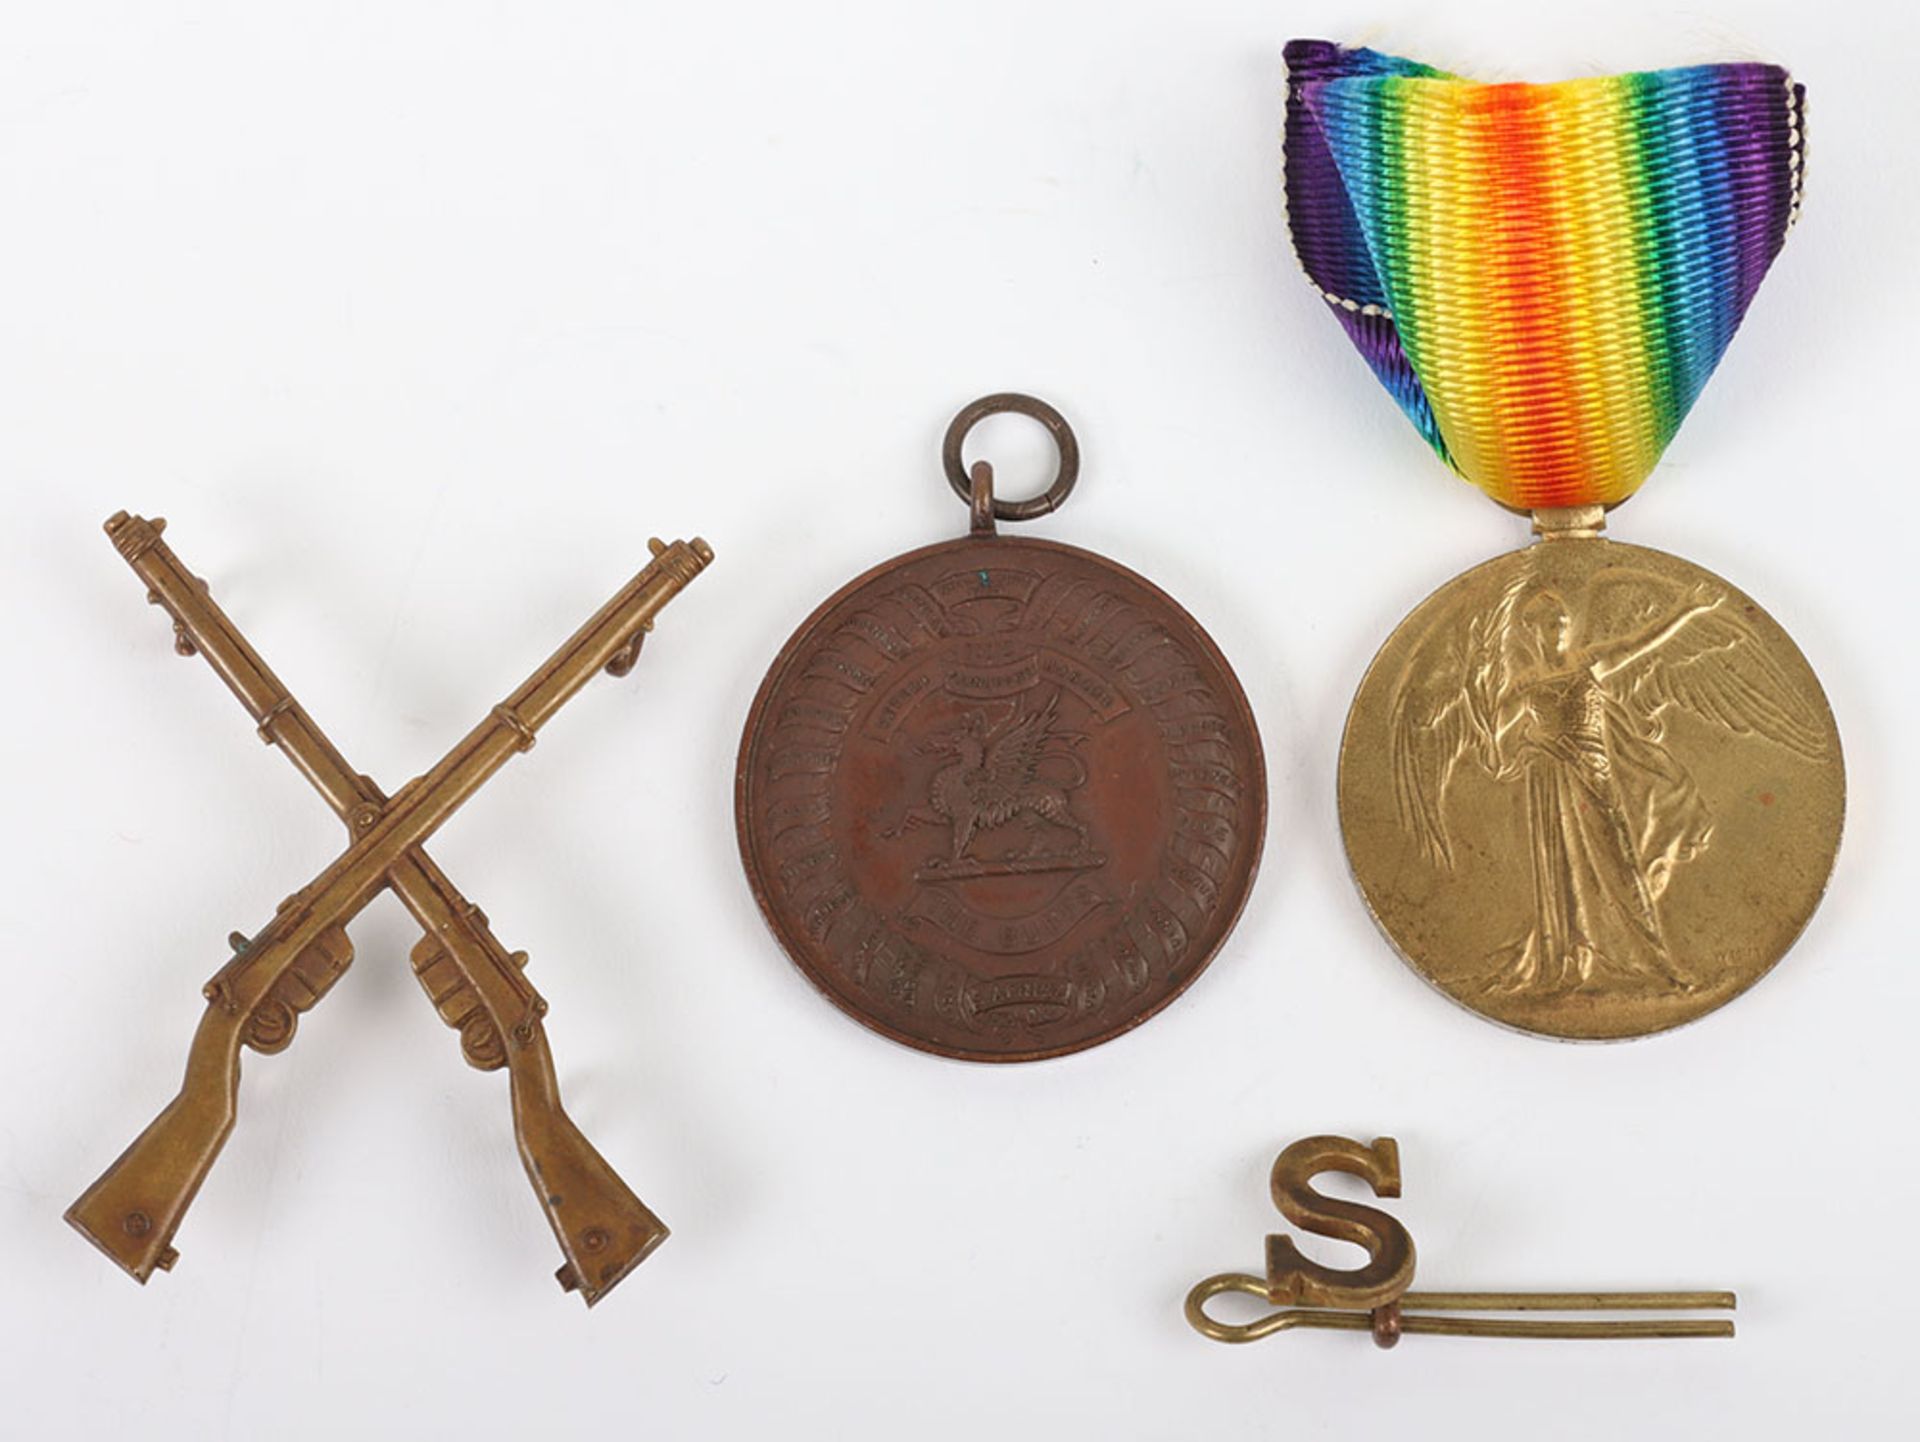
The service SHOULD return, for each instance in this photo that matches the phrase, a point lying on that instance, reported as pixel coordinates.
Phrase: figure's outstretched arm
(1609, 659)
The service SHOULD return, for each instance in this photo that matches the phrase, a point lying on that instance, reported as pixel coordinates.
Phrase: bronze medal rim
(1228, 916)
(1347, 760)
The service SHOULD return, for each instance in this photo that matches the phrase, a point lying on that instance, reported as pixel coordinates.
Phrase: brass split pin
(1376, 1298)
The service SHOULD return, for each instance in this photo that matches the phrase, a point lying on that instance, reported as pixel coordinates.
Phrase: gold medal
(1590, 789)
(1587, 789)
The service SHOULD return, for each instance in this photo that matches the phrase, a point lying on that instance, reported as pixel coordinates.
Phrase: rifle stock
(133, 1210)
(604, 1230)
(136, 1205)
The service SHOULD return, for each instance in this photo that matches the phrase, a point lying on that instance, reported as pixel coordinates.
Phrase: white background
(416, 320)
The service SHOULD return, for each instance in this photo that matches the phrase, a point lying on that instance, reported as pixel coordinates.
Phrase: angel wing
(1446, 712)
(1716, 667)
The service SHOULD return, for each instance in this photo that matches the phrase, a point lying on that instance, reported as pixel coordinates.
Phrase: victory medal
(999, 798)
(1587, 789)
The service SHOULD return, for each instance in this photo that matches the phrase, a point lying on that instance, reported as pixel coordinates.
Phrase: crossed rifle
(132, 1212)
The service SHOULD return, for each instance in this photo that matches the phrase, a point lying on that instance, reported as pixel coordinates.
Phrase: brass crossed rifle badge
(132, 1212)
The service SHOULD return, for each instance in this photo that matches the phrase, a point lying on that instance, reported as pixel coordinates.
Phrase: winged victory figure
(1581, 721)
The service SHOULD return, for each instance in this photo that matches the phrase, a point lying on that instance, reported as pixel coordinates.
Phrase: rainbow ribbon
(1543, 276)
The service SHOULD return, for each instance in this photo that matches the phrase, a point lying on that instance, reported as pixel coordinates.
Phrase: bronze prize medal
(999, 798)
(1588, 790)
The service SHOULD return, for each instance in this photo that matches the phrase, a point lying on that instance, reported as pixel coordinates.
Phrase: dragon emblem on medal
(991, 778)
(1591, 790)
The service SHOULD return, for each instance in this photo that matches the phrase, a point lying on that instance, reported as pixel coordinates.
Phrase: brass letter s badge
(1292, 1280)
